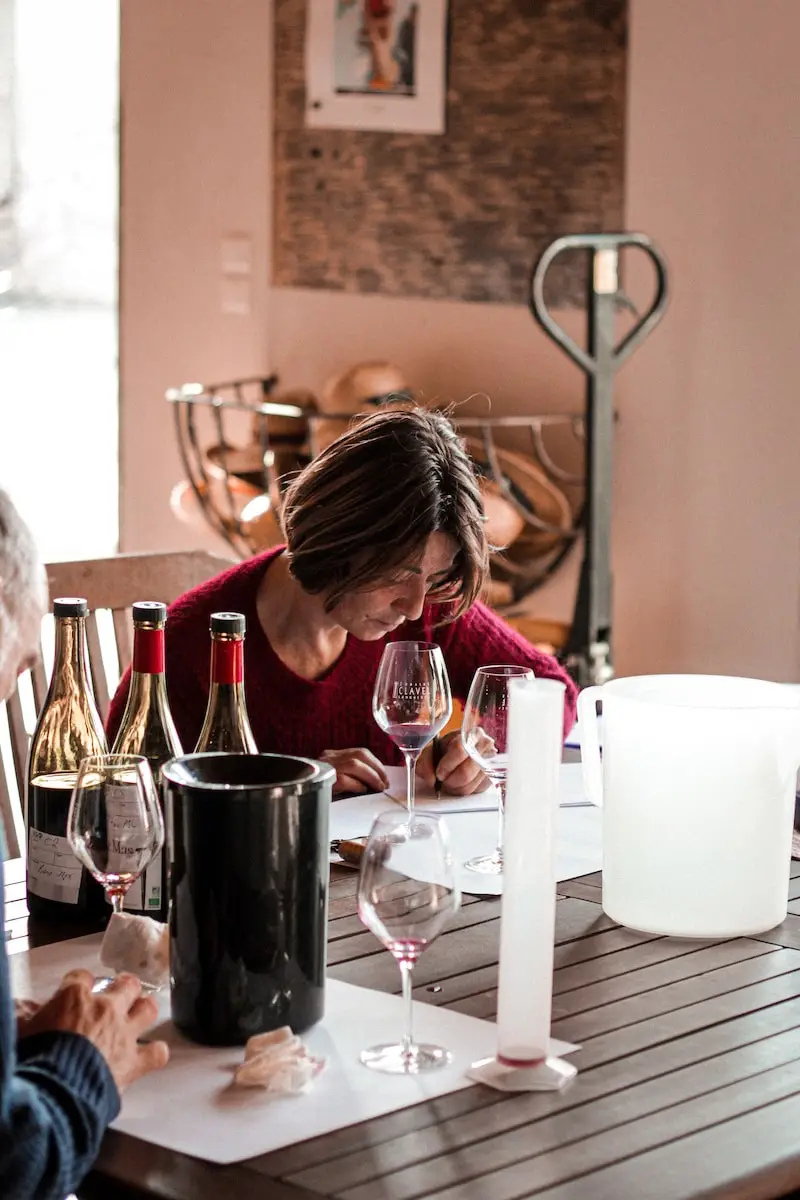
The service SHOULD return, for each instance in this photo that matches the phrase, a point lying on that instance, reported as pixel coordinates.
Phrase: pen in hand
(438, 754)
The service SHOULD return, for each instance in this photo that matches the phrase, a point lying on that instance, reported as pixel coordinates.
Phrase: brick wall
(534, 147)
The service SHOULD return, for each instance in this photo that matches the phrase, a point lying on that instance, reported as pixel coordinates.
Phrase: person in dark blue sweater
(63, 1064)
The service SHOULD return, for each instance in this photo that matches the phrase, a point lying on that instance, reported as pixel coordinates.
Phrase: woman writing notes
(385, 541)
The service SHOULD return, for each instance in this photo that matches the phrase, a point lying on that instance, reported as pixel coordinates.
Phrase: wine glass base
(103, 982)
(395, 1060)
(486, 864)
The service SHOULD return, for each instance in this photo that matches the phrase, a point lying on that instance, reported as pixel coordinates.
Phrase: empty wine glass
(406, 891)
(412, 700)
(484, 732)
(115, 826)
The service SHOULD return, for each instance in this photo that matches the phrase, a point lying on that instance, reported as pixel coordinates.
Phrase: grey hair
(23, 593)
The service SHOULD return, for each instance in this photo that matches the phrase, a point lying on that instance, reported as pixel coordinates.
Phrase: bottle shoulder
(147, 726)
(68, 729)
(226, 726)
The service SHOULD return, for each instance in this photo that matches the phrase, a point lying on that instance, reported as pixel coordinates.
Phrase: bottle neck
(70, 666)
(227, 698)
(147, 687)
(148, 681)
(227, 726)
(148, 650)
(227, 661)
(147, 727)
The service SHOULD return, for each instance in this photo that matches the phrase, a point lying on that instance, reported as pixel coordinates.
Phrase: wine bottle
(227, 725)
(68, 729)
(148, 729)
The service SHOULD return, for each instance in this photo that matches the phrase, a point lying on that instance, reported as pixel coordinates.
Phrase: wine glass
(484, 732)
(411, 701)
(406, 891)
(115, 826)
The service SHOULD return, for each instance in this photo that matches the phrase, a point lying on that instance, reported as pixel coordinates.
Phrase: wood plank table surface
(689, 1080)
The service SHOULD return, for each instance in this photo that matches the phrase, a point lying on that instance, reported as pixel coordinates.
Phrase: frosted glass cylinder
(527, 925)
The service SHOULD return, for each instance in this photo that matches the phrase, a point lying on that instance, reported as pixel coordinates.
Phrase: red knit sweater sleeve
(480, 638)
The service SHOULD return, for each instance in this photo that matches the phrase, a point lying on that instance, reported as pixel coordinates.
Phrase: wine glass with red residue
(407, 891)
(411, 700)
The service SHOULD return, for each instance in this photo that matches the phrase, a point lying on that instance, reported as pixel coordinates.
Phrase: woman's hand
(356, 771)
(459, 774)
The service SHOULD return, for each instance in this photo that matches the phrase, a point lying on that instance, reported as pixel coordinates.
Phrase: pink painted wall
(196, 119)
(708, 490)
(706, 500)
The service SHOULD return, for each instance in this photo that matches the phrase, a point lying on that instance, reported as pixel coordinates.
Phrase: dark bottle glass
(147, 728)
(68, 729)
(227, 726)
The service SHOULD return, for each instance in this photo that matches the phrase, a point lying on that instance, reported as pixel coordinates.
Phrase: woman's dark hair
(368, 504)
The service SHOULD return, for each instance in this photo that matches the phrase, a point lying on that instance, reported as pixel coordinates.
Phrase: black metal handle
(598, 242)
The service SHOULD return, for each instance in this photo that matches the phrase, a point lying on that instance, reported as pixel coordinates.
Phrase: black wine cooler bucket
(249, 850)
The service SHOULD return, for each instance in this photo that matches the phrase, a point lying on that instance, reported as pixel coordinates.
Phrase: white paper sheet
(473, 830)
(425, 797)
(571, 793)
(191, 1108)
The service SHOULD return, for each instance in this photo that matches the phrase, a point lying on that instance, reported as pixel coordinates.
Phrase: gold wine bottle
(147, 728)
(226, 725)
(69, 728)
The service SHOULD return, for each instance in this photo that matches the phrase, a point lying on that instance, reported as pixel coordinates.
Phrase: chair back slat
(107, 583)
(122, 636)
(39, 681)
(97, 666)
(118, 582)
(19, 735)
(8, 807)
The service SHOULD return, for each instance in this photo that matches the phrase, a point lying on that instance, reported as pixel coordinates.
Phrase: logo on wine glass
(411, 693)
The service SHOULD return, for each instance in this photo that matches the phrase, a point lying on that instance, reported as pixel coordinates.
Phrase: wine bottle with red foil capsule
(68, 729)
(227, 726)
(148, 729)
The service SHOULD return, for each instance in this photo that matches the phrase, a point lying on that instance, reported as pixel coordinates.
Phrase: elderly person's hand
(23, 1011)
(357, 770)
(113, 1020)
(459, 774)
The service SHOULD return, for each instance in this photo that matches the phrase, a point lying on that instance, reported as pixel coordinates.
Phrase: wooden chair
(110, 585)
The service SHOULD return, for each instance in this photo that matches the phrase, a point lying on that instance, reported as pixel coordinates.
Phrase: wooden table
(689, 1079)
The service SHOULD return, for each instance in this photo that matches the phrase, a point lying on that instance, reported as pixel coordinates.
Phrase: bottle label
(150, 883)
(148, 651)
(54, 873)
(227, 661)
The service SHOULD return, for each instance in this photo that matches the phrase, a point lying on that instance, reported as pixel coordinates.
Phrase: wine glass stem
(116, 902)
(411, 766)
(501, 813)
(408, 1034)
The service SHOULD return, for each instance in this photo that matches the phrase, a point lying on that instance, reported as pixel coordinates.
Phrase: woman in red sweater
(385, 540)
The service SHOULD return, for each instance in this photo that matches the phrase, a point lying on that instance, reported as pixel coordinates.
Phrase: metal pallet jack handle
(588, 653)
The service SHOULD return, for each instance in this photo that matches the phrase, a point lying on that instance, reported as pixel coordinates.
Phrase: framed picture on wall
(376, 64)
